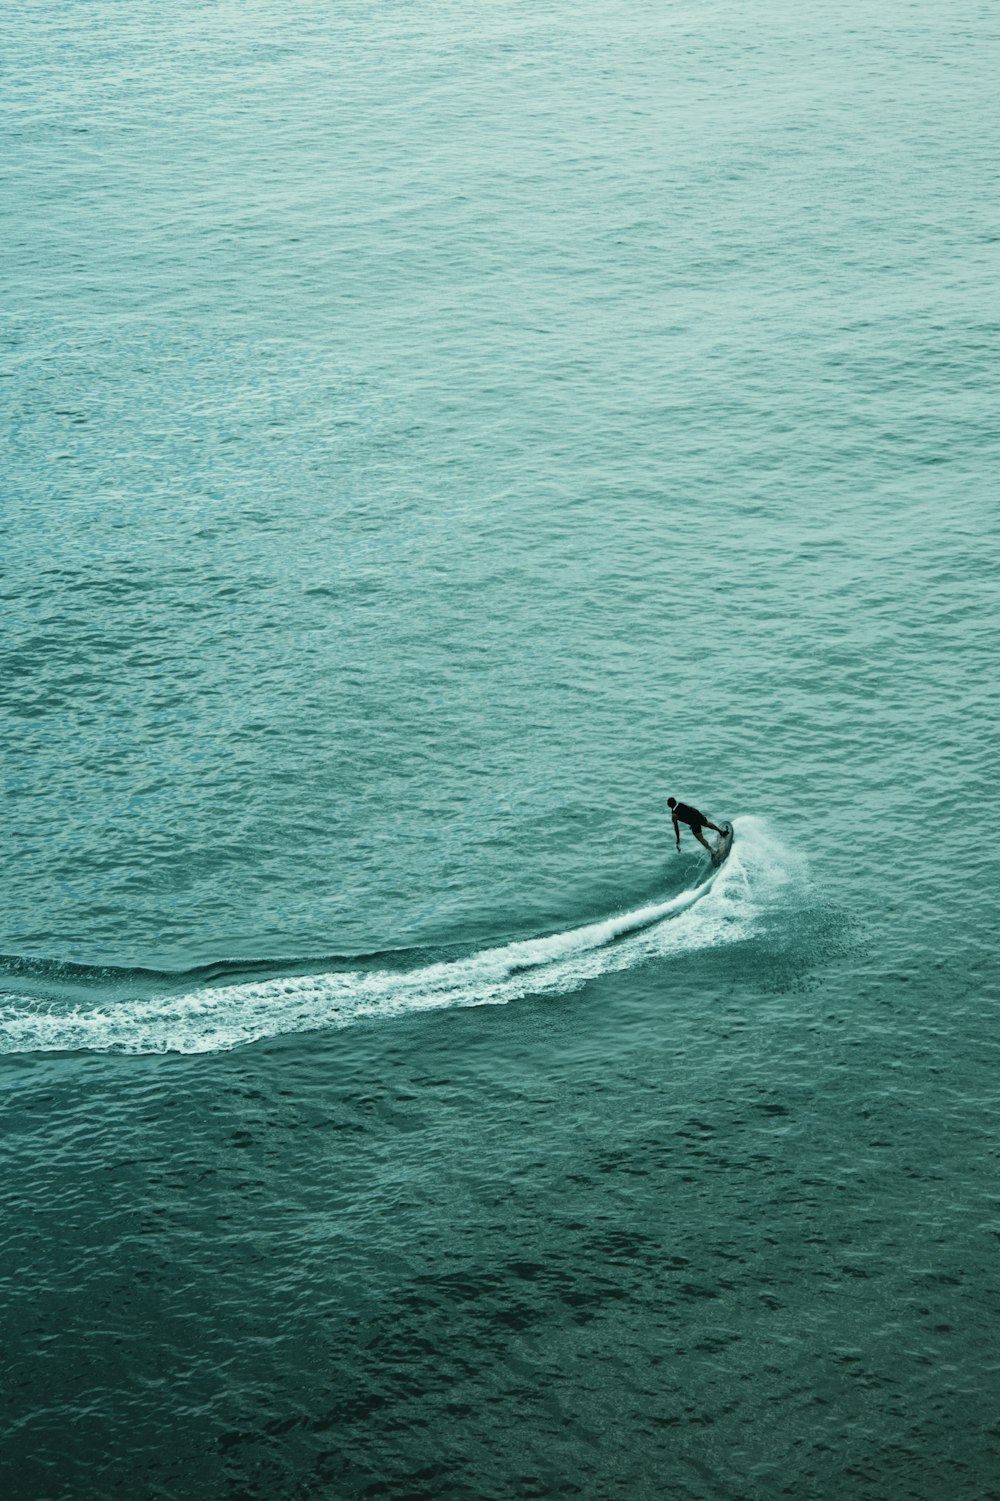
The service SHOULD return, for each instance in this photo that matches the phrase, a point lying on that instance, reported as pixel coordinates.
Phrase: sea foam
(724, 908)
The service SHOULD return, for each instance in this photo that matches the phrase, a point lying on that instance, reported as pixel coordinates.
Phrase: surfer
(684, 813)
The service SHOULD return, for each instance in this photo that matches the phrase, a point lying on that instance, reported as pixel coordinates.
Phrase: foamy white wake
(724, 909)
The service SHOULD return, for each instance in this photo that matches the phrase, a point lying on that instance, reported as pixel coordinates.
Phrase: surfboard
(725, 843)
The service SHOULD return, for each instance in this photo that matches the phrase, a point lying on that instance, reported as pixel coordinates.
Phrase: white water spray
(724, 909)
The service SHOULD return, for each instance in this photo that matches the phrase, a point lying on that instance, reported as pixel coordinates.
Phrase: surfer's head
(671, 802)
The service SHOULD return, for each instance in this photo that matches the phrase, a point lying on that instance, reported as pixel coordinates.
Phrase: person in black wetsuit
(684, 813)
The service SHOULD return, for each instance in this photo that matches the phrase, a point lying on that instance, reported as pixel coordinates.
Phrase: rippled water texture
(432, 436)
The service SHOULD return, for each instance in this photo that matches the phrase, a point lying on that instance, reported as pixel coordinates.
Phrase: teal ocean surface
(433, 436)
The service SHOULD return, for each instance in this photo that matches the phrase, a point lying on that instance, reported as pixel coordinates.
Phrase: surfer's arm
(677, 833)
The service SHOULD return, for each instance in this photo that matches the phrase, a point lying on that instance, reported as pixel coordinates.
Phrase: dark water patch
(380, 1351)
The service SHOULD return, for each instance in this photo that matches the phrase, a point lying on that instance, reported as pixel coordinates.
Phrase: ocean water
(434, 435)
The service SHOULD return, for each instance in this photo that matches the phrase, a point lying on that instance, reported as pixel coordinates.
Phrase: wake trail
(725, 907)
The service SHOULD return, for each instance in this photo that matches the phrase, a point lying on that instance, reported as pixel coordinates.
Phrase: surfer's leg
(701, 838)
(714, 827)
